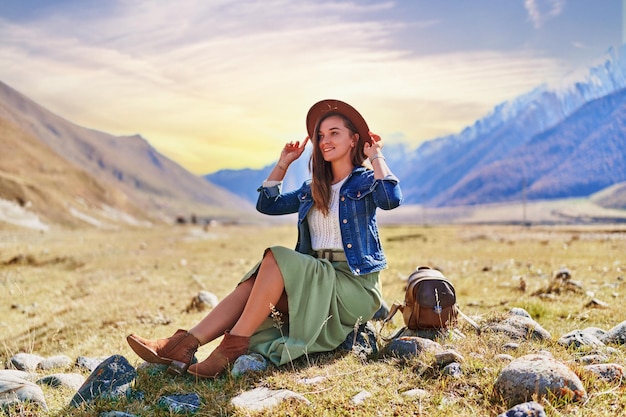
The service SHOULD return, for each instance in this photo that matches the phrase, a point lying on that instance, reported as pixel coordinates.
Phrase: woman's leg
(224, 316)
(258, 292)
(267, 290)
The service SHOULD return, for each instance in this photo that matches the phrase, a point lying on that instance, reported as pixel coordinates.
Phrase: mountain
(579, 156)
(245, 182)
(126, 173)
(552, 142)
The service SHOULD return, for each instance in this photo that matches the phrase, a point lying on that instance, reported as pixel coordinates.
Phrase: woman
(329, 283)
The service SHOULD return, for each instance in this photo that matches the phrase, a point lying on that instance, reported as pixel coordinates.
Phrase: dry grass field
(81, 292)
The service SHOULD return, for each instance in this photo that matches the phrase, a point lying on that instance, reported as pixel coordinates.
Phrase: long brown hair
(321, 170)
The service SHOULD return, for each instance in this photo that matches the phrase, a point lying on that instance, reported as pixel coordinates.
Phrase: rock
(312, 381)
(361, 397)
(519, 328)
(538, 375)
(517, 311)
(202, 301)
(447, 357)
(263, 398)
(596, 303)
(408, 346)
(592, 359)
(18, 374)
(252, 362)
(15, 391)
(609, 372)
(364, 344)
(89, 363)
(504, 357)
(511, 346)
(55, 362)
(181, 403)
(529, 409)
(617, 335)
(416, 392)
(26, 361)
(110, 379)
(453, 369)
(578, 338)
(71, 381)
(116, 414)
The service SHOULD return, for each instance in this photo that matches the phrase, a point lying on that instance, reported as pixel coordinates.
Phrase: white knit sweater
(325, 231)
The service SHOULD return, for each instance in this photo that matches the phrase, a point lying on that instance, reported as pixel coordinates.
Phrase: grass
(80, 292)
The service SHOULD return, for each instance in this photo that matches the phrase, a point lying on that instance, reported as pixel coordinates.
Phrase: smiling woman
(326, 286)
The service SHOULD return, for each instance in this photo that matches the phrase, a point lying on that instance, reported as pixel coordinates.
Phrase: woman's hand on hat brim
(374, 146)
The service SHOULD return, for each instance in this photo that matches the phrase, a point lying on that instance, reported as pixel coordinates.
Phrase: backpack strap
(392, 311)
(469, 320)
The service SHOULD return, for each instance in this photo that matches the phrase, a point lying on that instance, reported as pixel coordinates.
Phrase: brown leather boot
(176, 351)
(224, 355)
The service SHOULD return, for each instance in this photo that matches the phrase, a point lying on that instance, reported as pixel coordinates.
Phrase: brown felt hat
(322, 108)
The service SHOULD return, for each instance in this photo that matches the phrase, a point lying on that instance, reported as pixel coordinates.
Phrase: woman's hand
(291, 152)
(373, 148)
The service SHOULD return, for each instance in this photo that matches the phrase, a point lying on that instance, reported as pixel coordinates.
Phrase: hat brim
(322, 108)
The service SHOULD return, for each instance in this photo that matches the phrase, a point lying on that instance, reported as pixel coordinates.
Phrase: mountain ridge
(495, 159)
(124, 165)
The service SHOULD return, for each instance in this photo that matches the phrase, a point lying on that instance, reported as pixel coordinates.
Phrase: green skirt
(326, 301)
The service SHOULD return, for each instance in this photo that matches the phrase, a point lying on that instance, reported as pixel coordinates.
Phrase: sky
(215, 84)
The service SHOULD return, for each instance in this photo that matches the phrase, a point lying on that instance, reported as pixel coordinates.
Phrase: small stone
(71, 381)
(609, 372)
(453, 370)
(55, 362)
(596, 303)
(89, 363)
(181, 403)
(26, 361)
(447, 357)
(361, 397)
(263, 398)
(529, 409)
(416, 392)
(312, 381)
(252, 362)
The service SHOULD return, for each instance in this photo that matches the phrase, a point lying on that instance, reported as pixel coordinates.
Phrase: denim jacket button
(343, 198)
(345, 221)
(349, 245)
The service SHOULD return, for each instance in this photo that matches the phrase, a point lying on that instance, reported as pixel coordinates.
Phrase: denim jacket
(359, 197)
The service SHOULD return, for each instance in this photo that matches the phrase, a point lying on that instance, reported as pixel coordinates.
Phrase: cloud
(218, 84)
(540, 11)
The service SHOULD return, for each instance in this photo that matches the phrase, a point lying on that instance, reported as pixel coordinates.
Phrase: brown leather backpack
(429, 301)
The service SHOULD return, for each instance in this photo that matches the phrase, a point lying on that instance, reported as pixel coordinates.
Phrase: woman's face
(335, 140)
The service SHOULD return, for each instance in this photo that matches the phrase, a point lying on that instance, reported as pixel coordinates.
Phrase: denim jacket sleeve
(386, 192)
(271, 200)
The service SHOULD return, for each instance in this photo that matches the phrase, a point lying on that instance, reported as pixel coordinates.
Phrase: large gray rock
(538, 375)
(15, 391)
(110, 379)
